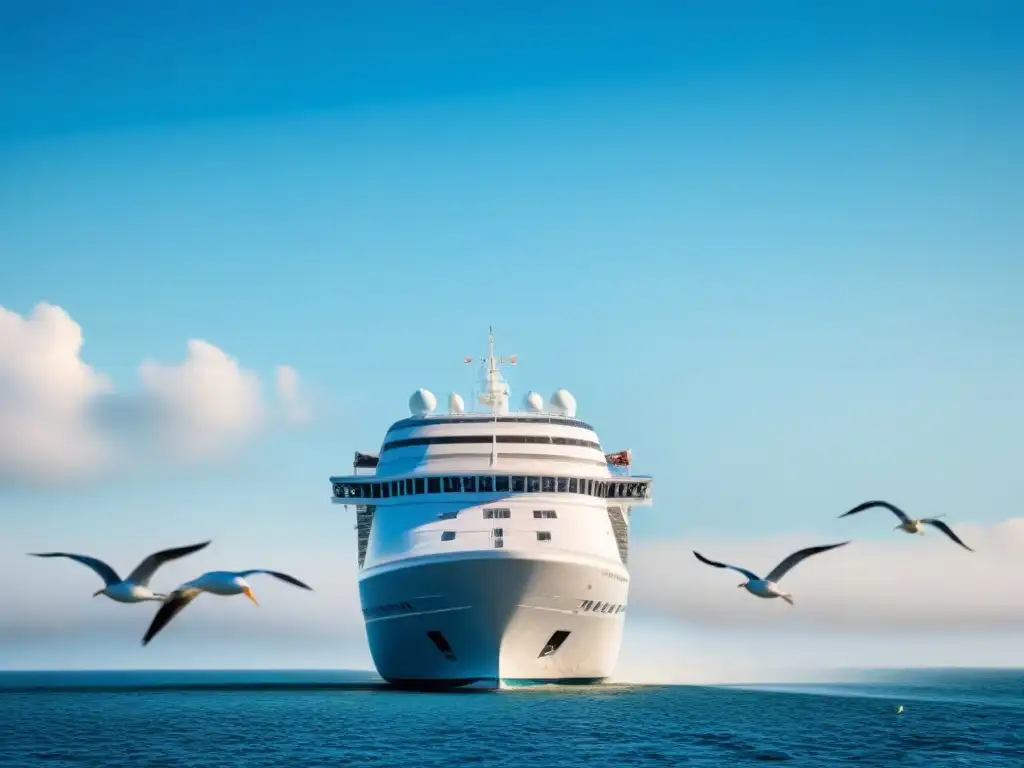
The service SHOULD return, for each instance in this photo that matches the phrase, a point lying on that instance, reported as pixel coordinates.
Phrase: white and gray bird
(908, 524)
(223, 583)
(135, 588)
(768, 587)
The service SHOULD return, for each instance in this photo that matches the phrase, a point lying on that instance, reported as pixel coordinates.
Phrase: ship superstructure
(493, 546)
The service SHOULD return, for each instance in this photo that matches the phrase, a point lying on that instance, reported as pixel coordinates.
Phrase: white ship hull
(495, 612)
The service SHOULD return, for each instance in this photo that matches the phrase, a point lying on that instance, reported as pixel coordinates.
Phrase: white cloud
(61, 419)
(44, 390)
(296, 409)
(899, 584)
(206, 403)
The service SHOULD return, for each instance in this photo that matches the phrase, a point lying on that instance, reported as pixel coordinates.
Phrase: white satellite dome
(455, 403)
(533, 402)
(422, 402)
(563, 402)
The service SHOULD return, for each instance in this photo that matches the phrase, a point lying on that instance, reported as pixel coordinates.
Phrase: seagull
(134, 589)
(768, 587)
(908, 525)
(224, 583)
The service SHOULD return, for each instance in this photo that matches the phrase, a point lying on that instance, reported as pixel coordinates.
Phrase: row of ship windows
(410, 442)
(498, 534)
(606, 489)
(590, 605)
(560, 420)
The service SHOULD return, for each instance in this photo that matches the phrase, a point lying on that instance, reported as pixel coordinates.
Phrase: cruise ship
(493, 545)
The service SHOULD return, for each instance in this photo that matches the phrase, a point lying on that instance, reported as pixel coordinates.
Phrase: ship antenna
(496, 390)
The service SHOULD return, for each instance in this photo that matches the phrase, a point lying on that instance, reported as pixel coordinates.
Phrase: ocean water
(302, 718)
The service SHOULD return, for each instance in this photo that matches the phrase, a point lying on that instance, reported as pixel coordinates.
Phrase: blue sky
(777, 252)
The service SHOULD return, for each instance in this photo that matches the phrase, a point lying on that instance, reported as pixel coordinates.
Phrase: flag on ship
(365, 460)
(620, 459)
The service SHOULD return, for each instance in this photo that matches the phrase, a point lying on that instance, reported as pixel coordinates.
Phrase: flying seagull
(224, 583)
(768, 587)
(907, 524)
(134, 589)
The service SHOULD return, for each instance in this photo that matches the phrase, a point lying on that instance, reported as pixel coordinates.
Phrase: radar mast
(496, 390)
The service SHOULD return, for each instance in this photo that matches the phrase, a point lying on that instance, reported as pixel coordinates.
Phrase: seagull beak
(248, 593)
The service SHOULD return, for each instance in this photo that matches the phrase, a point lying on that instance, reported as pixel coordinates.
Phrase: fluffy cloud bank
(687, 622)
(62, 419)
(898, 584)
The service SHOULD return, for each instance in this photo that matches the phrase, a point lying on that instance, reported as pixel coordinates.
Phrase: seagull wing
(946, 530)
(108, 574)
(173, 605)
(787, 565)
(746, 573)
(144, 571)
(885, 504)
(277, 575)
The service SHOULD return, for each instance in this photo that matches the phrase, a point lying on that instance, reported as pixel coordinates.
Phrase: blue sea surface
(311, 718)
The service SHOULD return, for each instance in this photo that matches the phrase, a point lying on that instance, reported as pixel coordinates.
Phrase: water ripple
(310, 725)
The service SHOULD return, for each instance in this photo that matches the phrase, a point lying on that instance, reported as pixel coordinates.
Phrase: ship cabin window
(518, 484)
(590, 488)
(385, 490)
(543, 536)
(433, 485)
(408, 486)
(447, 535)
(397, 488)
(376, 490)
(563, 484)
(419, 485)
(469, 484)
(487, 484)
(533, 485)
(546, 514)
(548, 484)
(452, 484)
(499, 514)
(572, 484)
(499, 543)
(498, 533)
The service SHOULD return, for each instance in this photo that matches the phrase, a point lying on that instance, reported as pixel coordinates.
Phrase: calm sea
(296, 719)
